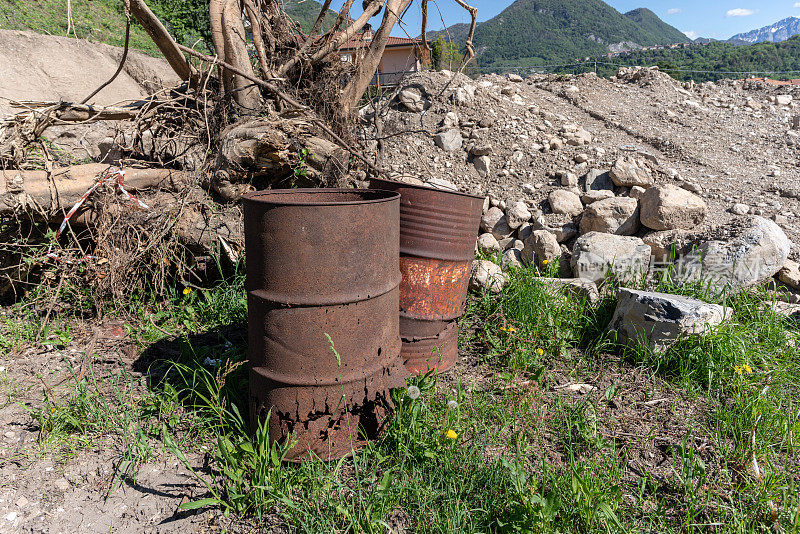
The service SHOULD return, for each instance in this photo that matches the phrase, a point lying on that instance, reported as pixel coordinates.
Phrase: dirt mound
(731, 142)
(46, 67)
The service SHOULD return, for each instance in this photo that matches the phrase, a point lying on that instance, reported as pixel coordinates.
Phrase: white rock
(561, 226)
(618, 215)
(659, 319)
(487, 244)
(516, 78)
(441, 183)
(629, 171)
(596, 195)
(412, 100)
(740, 209)
(596, 253)
(449, 140)
(757, 251)
(487, 275)
(540, 246)
(517, 213)
(667, 207)
(494, 222)
(565, 202)
(512, 259)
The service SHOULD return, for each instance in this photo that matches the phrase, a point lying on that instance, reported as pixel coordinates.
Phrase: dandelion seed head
(452, 405)
(413, 392)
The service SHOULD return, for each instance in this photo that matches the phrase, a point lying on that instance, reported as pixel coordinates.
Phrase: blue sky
(719, 19)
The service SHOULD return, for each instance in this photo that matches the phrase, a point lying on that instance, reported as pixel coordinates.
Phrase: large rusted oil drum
(322, 273)
(438, 230)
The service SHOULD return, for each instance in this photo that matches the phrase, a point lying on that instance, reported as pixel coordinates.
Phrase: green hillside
(658, 30)
(531, 32)
(103, 21)
(720, 57)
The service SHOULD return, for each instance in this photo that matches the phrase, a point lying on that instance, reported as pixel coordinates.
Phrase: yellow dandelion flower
(451, 434)
(748, 369)
(540, 352)
(737, 369)
(187, 290)
(545, 262)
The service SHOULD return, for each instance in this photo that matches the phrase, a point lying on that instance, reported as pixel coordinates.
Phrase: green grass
(522, 455)
(101, 21)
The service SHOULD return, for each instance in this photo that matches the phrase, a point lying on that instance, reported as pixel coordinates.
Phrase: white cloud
(740, 12)
(676, 10)
(691, 34)
(797, 4)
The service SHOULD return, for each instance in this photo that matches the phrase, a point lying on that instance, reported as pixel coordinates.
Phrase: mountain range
(780, 31)
(531, 32)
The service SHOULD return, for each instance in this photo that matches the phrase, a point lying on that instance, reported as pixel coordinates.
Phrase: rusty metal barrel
(323, 335)
(438, 230)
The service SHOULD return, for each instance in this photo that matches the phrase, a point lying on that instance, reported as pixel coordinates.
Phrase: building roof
(358, 41)
(770, 81)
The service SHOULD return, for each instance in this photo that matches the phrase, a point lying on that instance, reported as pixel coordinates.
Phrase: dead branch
(161, 37)
(369, 64)
(30, 191)
(473, 12)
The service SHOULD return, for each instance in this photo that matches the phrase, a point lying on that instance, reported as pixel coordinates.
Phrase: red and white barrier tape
(114, 176)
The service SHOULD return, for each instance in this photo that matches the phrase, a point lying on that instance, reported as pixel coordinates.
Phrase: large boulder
(659, 319)
(618, 215)
(755, 251)
(596, 254)
(565, 202)
(629, 171)
(668, 207)
(540, 246)
(487, 275)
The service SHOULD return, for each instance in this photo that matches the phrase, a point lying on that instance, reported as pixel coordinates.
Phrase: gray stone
(483, 165)
(790, 274)
(669, 244)
(565, 203)
(629, 171)
(596, 254)
(618, 215)
(412, 100)
(561, 226)
(755, 252)
(487, 275)
(540, 247)
(514, 78)
(524, 231)
(517, 213)
(636, 192)
(576, 286)
(481, 150)
(597, 180)
(659, 319)
(740, 209)
(487, 244)
(595, 195)
(449, 140)
(666, 207)
(512, 259)
(494, 222)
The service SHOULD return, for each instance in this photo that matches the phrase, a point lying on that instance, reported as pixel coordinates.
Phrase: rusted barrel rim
(314, 196)
(423, 188)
